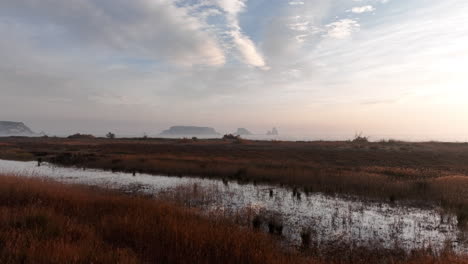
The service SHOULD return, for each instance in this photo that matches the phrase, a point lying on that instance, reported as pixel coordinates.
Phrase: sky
(317, 68)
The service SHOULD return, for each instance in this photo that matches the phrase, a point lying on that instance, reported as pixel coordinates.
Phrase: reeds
(423, 172)
(47, 222)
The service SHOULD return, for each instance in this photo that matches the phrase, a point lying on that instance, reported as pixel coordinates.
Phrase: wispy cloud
(244, 44)
(343, 28)
(296, 3)
(362, 9)
(203, 61)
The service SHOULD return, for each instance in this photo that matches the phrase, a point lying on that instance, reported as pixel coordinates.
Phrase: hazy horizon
(257, 134)
(315, 69)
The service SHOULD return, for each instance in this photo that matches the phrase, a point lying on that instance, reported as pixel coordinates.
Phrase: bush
(231, 137)
(359, 138)
(81, 136)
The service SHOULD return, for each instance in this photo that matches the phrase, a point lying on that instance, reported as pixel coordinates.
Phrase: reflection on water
(329, 219)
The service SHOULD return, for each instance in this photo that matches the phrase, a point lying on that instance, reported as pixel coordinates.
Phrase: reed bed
(47, 222)
(428, 172)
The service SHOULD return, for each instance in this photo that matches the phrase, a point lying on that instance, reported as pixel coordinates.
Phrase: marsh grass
(47, 222)
(430, 172)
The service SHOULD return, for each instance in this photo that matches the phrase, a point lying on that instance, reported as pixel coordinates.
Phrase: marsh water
(329, 219)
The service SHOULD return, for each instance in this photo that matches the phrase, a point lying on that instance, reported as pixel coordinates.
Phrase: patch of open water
(330, 219)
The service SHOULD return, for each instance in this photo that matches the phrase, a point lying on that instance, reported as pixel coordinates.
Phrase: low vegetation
(80, 136)
(390, 170)
(47, 222)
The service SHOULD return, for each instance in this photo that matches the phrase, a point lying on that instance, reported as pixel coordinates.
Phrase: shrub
(81, 136)
(359, 138)
(231, 137)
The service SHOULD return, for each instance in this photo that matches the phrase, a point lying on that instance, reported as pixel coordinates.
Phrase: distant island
(273, 132)
(189, 131)
(242, 132)
(9, 128)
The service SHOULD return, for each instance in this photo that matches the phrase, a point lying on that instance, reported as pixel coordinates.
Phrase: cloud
(377, 1)
(362, 9)
(246, 47)
(141, 28)
(248, 50)
(300, 26)
(294, 29)
(232, 7)
(296, 3)
(84, 61)
(342, 29)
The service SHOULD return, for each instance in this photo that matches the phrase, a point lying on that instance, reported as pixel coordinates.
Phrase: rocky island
(8, 128)
(273, 132)
(242, 132)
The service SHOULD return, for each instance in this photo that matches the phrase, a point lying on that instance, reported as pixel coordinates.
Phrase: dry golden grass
(48, 222)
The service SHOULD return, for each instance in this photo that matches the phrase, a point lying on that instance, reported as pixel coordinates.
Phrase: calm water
(330, 219)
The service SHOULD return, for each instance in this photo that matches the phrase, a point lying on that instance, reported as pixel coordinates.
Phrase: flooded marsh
(298, 218)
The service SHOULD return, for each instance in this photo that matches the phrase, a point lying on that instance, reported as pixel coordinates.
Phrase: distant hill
(8, 128)
(189, 131)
